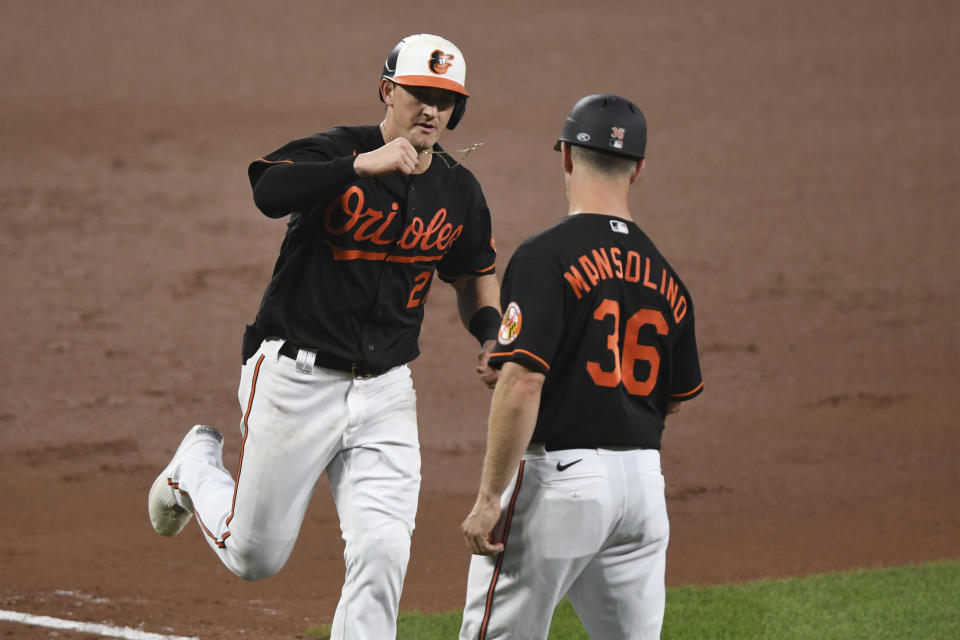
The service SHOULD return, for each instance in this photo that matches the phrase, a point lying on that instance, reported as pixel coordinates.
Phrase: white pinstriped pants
(298, 422)
(595, 529)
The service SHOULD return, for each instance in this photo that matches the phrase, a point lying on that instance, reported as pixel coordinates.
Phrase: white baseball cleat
(170, 508)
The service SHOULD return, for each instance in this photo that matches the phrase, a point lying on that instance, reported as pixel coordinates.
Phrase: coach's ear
(566, 157)
(641, 163)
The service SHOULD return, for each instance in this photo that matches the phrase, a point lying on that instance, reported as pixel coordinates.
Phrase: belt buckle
(359, 376)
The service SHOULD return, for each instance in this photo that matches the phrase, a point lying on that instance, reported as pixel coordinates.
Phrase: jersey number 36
(624, 364)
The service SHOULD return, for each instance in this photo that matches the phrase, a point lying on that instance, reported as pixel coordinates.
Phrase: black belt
(327, 361)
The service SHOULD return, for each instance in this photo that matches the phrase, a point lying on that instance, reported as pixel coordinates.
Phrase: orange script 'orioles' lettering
(346, 214)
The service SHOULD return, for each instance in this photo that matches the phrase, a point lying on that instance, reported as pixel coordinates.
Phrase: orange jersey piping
(356, 254)
(688, 393)
(523, 351)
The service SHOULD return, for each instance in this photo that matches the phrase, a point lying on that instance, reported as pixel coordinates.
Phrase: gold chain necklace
(465, 152)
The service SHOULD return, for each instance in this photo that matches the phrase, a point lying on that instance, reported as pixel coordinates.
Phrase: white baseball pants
(595, 529)
(297, 422)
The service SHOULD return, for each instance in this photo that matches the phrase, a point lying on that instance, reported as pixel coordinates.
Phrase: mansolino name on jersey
(604, 263)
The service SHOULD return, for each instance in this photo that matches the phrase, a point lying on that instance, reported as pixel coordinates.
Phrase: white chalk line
(104, 630)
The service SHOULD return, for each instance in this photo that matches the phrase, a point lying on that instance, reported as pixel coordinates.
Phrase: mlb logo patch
(616, 137)
(619, 227)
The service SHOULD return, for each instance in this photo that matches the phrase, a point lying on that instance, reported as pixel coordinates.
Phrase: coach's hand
(479, 527)
(397, 155)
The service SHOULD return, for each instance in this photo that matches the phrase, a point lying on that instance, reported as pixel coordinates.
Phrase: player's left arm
(513, 417)
(478, 301)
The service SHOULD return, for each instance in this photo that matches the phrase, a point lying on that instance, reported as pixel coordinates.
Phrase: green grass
(920, 601)
(908, 602)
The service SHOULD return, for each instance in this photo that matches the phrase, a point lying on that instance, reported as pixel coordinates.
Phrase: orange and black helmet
(425, 60)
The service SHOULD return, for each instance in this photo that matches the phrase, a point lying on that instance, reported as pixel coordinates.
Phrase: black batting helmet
(606, 123)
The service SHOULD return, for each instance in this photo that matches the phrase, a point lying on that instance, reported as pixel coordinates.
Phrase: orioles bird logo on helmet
(440, 61)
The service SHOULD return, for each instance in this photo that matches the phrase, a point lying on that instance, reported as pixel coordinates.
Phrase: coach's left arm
(513, 419)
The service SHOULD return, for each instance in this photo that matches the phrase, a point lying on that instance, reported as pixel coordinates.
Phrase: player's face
(420, 114)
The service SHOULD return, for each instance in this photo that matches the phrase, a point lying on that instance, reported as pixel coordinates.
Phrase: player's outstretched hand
(397, 155)
(488, 375)
(478, 528)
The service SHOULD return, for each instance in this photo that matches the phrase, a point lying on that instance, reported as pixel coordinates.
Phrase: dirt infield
(802, 177)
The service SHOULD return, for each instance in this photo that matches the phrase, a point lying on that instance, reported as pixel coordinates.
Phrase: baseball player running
(596, 346)
(374, 212)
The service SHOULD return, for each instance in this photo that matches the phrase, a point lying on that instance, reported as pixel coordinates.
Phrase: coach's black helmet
(426, 60)
(607, 123)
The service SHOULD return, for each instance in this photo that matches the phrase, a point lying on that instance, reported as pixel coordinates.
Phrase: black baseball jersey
(359, 254)
(593, 305)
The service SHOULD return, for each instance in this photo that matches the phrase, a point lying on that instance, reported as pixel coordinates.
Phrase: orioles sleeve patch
(510, 325)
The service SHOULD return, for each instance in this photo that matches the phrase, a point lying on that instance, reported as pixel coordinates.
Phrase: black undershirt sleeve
(284, 187)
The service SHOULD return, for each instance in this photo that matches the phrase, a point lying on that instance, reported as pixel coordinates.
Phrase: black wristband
(485, 323)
